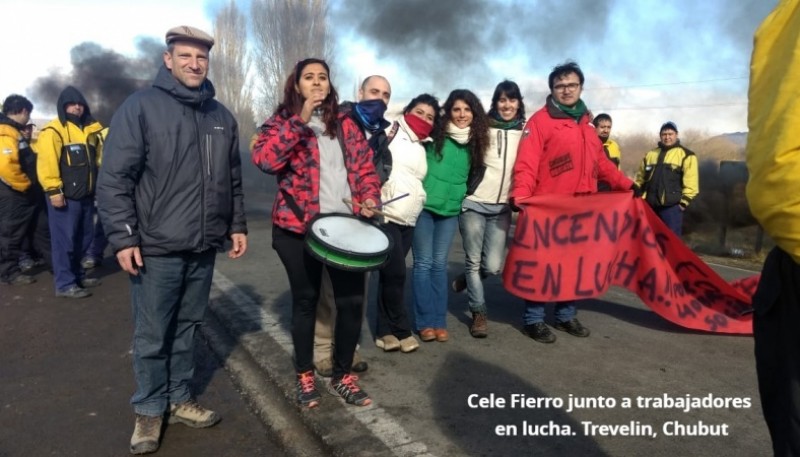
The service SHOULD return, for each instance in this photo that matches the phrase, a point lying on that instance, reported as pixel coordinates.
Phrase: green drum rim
(344, 261)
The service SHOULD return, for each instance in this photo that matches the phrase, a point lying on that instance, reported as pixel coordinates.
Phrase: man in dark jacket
(169, 194)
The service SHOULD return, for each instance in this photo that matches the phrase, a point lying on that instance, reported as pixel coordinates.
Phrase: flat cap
(189, 33)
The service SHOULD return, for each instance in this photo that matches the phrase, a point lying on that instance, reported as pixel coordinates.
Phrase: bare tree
(285, 32)
(230, 66)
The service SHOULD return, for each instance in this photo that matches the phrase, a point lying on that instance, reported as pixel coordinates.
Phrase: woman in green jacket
(457, 148)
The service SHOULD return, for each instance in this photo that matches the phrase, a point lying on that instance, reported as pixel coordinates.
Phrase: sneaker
(409, 344)
(573, 327)
(459, 284)
(540, 332)
(88, 263)
(20, 279)
(359, 364)
(307, 394)
(388, 343)
(146, 434)
(74, 291)
(478, 329)
(90, 282)
(27, 264)
(192, 414)
(349, 390)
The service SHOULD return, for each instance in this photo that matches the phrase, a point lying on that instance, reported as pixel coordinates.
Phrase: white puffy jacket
(408, 170)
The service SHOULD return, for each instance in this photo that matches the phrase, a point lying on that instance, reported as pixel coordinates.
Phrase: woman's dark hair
(430, 100)
(293, 101)
(511, 90)
(479, 129)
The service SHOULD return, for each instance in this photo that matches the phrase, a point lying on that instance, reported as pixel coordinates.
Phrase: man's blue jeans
(534, 311)
(484, 238)
(433, 236)
(170, 295)
(672, 217)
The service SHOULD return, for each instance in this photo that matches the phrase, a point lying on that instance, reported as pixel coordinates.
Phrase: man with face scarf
(373, 96)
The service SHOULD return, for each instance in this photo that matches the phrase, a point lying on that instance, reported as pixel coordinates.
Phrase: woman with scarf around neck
(456, 149)
(485, 214)
(320, 158)
(409, 167)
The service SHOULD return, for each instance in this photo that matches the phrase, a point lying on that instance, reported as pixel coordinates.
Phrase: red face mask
(420, 128)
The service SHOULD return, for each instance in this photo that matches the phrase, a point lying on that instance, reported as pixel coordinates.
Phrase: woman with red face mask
(409, 166)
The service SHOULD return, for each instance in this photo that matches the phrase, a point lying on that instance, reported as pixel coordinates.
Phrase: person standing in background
(602, 125)
(67, 165)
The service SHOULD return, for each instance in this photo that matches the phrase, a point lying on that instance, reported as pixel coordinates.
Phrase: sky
(646, 62)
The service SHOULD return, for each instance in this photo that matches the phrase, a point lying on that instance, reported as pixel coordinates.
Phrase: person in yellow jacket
(67, 164)
(16, 206)
(602, 125)
(668, 177)
(773, 193)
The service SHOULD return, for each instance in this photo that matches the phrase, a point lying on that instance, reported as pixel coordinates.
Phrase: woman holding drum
(455, 150)
(409, 167)
(320, 159)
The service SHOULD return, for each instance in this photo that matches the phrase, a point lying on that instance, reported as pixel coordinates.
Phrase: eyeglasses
(566, 87)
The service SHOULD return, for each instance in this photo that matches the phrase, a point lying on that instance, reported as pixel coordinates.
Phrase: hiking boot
(88, 263)
(359, 365)
(20, 279)
(324, 367)
(74, 291)
(573, 327)
(90, 282)
(540, 332)
(192, 414)
(27, 264)
(409, 344)
(478, 329)
(146, 434)
(349, 390)
(388, 343)
(459, 284)
(307, 394)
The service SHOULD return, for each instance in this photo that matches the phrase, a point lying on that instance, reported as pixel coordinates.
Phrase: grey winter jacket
(171, 175)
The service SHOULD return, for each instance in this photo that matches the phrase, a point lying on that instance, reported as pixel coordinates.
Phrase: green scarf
(495, 121)
(574, 112)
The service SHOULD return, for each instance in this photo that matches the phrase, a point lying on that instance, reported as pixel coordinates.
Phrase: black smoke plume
(105, 77)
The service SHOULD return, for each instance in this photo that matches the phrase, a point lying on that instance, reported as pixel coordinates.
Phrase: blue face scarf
(370, 113)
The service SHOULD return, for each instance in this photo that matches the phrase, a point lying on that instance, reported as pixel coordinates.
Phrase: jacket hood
(166, 82)
(73, 95)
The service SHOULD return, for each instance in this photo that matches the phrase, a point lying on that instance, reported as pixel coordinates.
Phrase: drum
(346, 242)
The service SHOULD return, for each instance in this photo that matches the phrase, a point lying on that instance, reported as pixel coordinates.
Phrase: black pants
(16, 211)
(392, 316)
(776, 330)
(36, 241)
(305, 277)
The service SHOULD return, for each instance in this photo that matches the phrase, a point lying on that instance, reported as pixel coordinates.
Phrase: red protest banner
(575, 247)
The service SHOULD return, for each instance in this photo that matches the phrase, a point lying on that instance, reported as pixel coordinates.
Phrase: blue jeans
(484, 237)
(169, 295)
(70, 235)
(433, 236)
(672, 217)
(534, 311)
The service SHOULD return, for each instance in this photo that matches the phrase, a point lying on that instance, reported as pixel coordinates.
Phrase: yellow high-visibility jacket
(612, 151)
(10, 164)
(56, 137)
(773, 119)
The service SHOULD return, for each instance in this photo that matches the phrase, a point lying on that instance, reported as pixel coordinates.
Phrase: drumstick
(391, 200)
(376, 211)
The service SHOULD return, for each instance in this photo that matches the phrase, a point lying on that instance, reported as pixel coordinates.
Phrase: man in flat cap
(668, 177)
(169, 195)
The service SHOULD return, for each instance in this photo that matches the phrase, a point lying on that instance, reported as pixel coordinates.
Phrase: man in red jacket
(560, 153)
